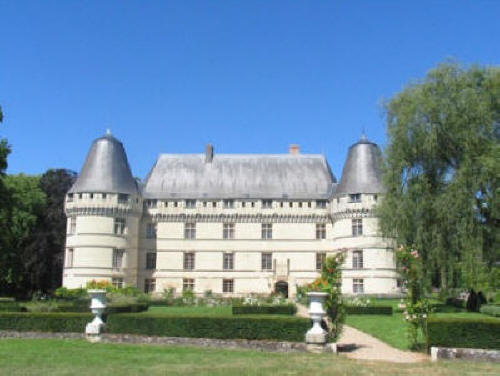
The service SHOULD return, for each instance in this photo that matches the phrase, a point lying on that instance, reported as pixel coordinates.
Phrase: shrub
(224, 327)
(369, 310)
(282, 309)
(127, 308)
(11, 306)
(44, 322)
(455, 302)
(483, 333)
(490, 309)
(70, 294)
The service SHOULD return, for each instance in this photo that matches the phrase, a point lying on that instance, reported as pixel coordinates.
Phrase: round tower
(103, 208)
(370, 264)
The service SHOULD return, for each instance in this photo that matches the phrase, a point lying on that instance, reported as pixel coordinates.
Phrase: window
(290, 204)
(243, 204)
(91, 195)
(228, 204)
(228, 231)
(228, 261)
(321, 204)
(176, 204)
(117, 283)
(267, 261)
(69, 257)
(399, 283)
(117, 258)
(204, 204)
(357, 259)
(253, 204)
(375, 197)
(358, 286)
(119, 227)
(355, 197)
(267, 231)
(72, 226)
(190, 231)
(267, 204)
(281, 204)
(122, 198)
(320, 231)
(320, 260)
(309, 204)
(150, 230)
(149, 285)
(70, 197)
(214, 204)
(189, 261)
(80, 195)
(357, 227)
(104, 195)
(150, 203)
(188, 284)
(151, 260)
(190, 204)
(300, 204)
(227, 285)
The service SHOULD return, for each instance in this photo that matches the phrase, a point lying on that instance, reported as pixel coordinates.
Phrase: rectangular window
(151, 260)
(214, 204)
(204, 204)
(300, 204)
(150, 230)
(267, 231)
(253, 204)
(189, 260)
(267, 204)
(119, 226)
(150, 203)
(176, 204)
(190, 204)
(69, 257)
(149, 285)
(320, 231)
(91, 196)
(267, 261)
(72, 226)
(104, 195)
(243, 204)
(228, 204)
(228, 261)
(190, 230)
(228, 231)
(117, 283)
(320, 260)
(188, 284)
(358, 286)
(321, 204)
(357, 259)
(357, 227)
(309, 204)
(355, 197)
(122, 198)
(117, 258)
(227, 285)
(69, 197)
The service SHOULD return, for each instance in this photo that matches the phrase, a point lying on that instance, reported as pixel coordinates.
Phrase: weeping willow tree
(441, 170)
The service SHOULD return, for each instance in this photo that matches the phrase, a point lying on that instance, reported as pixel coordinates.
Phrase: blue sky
(247, 76)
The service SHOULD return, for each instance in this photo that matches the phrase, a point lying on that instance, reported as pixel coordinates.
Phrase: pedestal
(316, 335)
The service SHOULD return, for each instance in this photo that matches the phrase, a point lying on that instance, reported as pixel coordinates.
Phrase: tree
(441, 172)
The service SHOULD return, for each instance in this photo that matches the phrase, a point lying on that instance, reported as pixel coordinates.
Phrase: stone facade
(233, 246)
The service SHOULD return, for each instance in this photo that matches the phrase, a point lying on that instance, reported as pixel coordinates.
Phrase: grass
(76, 357)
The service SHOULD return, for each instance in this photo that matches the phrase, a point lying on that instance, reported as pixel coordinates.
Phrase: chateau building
(230, 223)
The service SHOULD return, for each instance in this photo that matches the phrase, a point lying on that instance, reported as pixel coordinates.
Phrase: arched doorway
(281, 287)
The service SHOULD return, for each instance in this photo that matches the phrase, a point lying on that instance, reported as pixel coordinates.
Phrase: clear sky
(247, 76)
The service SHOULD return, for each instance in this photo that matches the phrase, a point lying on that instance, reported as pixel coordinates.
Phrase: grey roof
(361, 173)
(240, 176)
(106, 169)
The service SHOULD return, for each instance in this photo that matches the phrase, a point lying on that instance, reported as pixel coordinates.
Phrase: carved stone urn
(316, 335)
(97, 306)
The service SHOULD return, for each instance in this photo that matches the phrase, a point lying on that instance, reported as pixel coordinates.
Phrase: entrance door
(281, 287)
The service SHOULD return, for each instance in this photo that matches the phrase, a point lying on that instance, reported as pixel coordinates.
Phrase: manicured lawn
(192, 310)
(77, 357)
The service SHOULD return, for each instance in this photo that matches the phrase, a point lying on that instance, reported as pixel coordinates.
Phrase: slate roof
(273, 176)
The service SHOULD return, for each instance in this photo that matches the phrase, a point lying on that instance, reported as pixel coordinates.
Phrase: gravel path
(356, 344)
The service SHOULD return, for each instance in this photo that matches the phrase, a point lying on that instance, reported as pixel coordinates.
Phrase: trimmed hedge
(483, 333)
(371, 310)
(44, 322)
(127, 308)
(266, 309)
(455, 302)
(223, 327)
(11, 306)
(490, 309)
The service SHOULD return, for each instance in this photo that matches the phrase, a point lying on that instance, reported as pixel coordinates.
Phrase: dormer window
(91, 196)
(70, 197)
(321, 204)
(150, 203)
(122, 198)
(190, 204)
(355, 197)
(267, 204)
(104, 196)
(228, 204)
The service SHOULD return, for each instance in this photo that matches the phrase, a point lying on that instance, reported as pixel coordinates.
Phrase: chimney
(294, 149)
(209, 153)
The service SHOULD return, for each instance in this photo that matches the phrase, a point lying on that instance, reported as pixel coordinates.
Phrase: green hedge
(266, 309)
(455, 302)
(482, 333)
(224, 327)
(371, 310)
(44, 322)
(127, 308)
(490, 309)
(11, 306)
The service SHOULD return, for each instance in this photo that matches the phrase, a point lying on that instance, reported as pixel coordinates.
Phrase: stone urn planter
(97, 306)
(316, 335)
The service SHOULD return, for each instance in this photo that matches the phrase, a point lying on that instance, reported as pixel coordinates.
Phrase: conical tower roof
(361, 173)
(106, 169)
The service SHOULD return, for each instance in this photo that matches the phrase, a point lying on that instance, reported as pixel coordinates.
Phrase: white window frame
(357, 259)
(320, 260)
(228, 285)
(228, 261)
(228, 230)
(267, 231)
(320, 230)
(267, 261)
(117, 259)
(151, 260)
(190, 230)
(188, 262)
(188, 284)
(357, 226)
(120, 226)
(358, 285)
